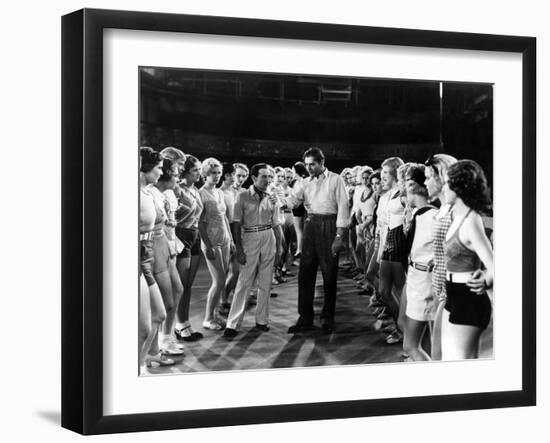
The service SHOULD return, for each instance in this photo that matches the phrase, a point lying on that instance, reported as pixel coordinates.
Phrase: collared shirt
(422, 250)
(250, 211)
(325, 194)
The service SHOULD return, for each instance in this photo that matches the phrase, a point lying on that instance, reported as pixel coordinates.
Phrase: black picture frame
(82, 218)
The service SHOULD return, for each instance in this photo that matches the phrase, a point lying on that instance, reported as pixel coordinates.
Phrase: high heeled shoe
(159, 359)
(171, 347)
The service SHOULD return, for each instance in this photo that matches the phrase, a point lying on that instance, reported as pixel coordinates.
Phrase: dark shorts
(146, 259)
(191, 242)
(299, 211)
(161, 253)
(466, 307)
(395, 247)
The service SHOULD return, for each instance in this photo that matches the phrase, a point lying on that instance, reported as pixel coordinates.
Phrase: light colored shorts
(420, 300)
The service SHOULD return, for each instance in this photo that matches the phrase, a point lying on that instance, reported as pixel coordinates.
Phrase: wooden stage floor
(353, 342)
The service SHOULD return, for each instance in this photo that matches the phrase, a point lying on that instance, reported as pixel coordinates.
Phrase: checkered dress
(441, 226)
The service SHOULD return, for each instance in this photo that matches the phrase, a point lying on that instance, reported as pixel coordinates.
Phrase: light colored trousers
(259, 248)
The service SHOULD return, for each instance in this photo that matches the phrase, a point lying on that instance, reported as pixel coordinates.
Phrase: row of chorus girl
(179, 221)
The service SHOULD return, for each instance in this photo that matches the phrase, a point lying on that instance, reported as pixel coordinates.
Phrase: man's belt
(322, 216)
(422, 266)
(258, 228)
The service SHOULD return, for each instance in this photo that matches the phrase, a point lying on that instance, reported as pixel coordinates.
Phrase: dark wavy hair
(255, 169)
(416, 173)
(168, 170)
(149, 158)
(227, 168)
(375, 174)
(316, 153)
(300, 169)
(468, 181)
(190, 162)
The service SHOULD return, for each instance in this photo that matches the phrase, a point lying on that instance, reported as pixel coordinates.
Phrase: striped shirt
(189, 208)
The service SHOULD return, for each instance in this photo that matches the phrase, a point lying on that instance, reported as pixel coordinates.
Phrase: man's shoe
(296, 329)
(263, 328)
(230, 333)
(327, 328)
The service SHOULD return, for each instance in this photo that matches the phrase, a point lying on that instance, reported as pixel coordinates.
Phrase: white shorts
(420, 300)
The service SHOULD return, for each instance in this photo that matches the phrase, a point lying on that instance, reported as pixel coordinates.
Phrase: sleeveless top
(396, 211)
(147, 211)
(365, 204)
(458, 257)
(229, 197)
(213, 215)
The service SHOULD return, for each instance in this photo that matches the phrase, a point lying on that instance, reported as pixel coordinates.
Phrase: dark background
(257, 117)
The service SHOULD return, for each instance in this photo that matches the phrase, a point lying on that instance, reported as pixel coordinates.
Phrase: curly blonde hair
(209, 164)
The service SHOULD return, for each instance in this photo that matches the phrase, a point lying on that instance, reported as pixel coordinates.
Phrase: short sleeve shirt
(251, 211)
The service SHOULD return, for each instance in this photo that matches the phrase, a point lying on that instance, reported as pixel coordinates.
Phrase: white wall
(30, 107)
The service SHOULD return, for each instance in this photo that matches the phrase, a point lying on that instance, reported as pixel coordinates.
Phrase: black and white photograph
(298, 220)
(274, 219)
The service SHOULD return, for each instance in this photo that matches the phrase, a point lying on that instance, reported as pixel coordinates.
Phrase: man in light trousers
(255, 214)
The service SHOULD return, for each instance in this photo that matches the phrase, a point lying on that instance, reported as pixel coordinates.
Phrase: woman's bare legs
(187, 270)
(218, 271)
(401, 295)
(436, 330)
(144, 324)
(392, 280)
(177, 291)
(412, 340)
(458, 342)
(157, 315)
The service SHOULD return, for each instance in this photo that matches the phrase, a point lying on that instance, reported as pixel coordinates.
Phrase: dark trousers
(319, 233)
